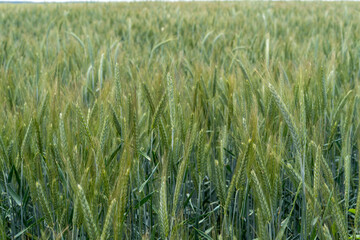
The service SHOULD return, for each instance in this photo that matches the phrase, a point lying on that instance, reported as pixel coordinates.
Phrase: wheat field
(180, 121)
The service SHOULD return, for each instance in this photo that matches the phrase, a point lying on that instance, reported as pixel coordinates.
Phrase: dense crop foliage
(180, 121)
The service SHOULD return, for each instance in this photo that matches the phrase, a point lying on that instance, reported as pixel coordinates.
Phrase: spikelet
(323, 88)
(117, 85)
(339, 220)
(276, 191)
(288, 119)
(309, 216)
(170, 93)
(105, 182)
(347, 181)
(75, 211)
(302, 119)
(89, 219)
(121, 192)
(100, 72)
(3, 151)
(214, 83)
(116, 120)
(239, 170)
(200, 155)
(296, 178)
(205, 165)
(38, 137)
(357, 210)
(221, 150)
(92, 112)
(327, 172)
(260, 196)
(263, 176)
(63, 215)
(243, 70)
(317, 172)
(230, 108)
(183, 165)
(2, 229)
(326, 232)
(261, 225)
(108, 220)
(84, 127)
(64, 145)
(249, 154)
(67, 154)
(148, 98)
(341, 105)
(70, 172)
(104, 134)
(267, 51)
(31, 183)
(160, 108)
(90, 81)
(219, 183)
(55, 194)
(122, 199)
(26, 139)
(135, 130)
(163, 212)
(44, 205)
(179, 181)
(164, 137)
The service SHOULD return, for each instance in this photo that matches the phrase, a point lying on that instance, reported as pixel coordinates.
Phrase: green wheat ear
(183, 165)
(239, 173)
(89, 219)
(44, 204)
(116, 120)
(163, 211)
(261, 197)
(63, 139)
(104, 134)
(170, 92)
(85, 129)
(357, 211)
(159, 110)
(317, 173)
(201, 167)
(117, 85)
(26, 139)
(2, 229)
(108, 220)
(288, 119)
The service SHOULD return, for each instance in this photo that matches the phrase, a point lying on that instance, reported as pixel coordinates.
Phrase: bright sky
(45, 1)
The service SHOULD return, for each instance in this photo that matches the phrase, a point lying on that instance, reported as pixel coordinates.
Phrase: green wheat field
(180, 121)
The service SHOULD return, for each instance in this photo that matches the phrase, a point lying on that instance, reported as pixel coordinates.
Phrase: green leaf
(351, 210)
(14, 195)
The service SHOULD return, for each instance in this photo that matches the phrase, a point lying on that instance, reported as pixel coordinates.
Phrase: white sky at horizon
(82, 1)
